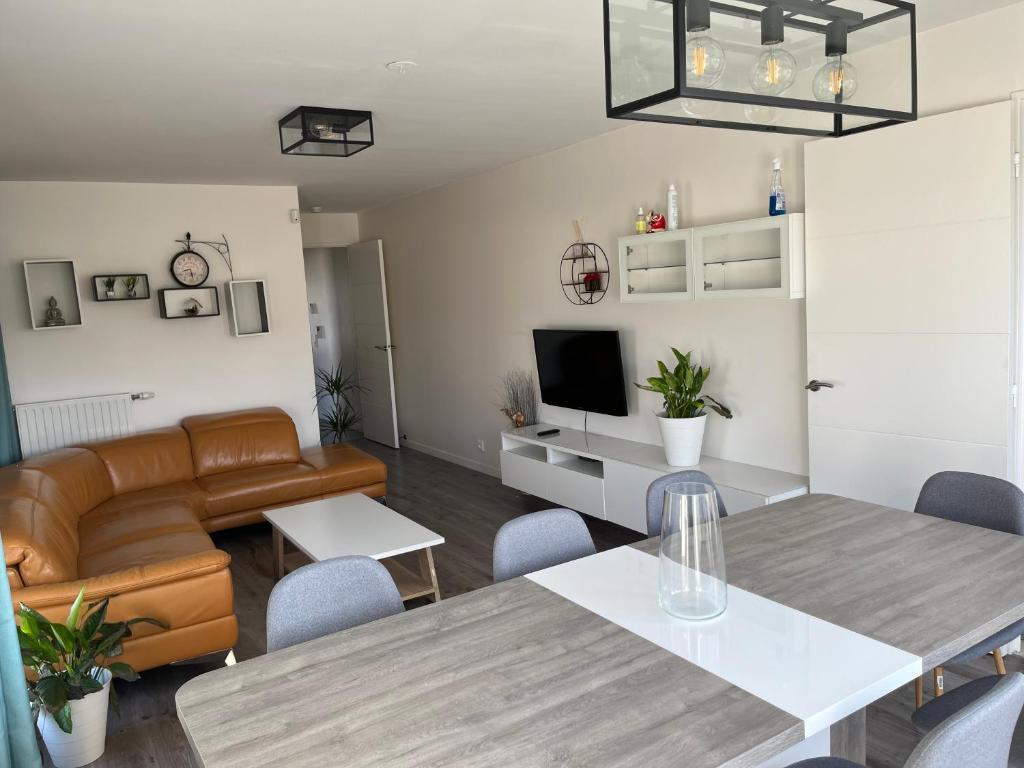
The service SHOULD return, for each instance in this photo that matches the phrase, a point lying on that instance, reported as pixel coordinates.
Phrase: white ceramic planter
(88, 737)
(682, 439)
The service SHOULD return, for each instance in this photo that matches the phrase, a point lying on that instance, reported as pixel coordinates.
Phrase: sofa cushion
(226, 442)
(114, 529)
(147, 459)
(145, 553)
(78, 473)
(186, 493)
(259, 487)
(343, 467)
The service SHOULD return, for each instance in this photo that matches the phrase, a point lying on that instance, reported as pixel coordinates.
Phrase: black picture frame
(103, 298)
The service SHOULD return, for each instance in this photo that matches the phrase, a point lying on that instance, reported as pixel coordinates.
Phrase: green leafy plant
(337, 414)
(109, 283)
(66, 659)
(681, 389)
(129, 283)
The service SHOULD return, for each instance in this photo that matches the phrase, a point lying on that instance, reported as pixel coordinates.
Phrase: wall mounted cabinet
(178, 303)
(656, 267)
(757, 258)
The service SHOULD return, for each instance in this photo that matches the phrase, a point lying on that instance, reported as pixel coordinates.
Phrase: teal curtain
(18, 747)
(9, 450)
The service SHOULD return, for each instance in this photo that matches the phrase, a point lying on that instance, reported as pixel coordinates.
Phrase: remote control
(548, 432)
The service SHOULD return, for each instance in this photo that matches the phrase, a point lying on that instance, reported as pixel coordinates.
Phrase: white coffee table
(355, 524)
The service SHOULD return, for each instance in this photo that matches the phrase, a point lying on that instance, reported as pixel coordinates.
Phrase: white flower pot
(682, 439)
(88, 737)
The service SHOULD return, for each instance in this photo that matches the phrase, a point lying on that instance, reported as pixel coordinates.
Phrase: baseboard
(454, 458)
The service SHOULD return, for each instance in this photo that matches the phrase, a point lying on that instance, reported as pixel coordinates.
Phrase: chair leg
(938, 681)
(997, 656)
(919, 692)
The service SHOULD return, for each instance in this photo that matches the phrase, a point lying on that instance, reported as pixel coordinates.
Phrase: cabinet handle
(815, 386)
(384, 348)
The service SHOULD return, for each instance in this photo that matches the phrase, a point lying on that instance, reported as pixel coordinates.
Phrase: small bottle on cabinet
(777, 195)
(641, 223)
(672, 208)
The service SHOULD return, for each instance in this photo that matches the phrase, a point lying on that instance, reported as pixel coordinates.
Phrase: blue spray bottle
(777, 195)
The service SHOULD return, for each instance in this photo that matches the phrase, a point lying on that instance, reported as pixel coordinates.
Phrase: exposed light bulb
(705, 60)
(773, 72)
(836, 81)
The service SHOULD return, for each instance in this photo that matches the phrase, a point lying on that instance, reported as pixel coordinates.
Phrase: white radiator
(55, 424)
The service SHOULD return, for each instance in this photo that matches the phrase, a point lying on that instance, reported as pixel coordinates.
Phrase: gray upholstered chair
(327, 597)
(656, 496)
(987, 502)
(978, 735)
(540, 540)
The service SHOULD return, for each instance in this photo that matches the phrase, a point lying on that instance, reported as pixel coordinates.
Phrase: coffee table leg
(428, 572)
(278, 554)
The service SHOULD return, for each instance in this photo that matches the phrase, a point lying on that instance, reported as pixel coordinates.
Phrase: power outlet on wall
(481, 446)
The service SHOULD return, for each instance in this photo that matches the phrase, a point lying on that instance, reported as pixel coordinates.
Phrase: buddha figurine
(54, 316)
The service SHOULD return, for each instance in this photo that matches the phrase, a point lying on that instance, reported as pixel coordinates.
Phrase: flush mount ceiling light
(320, 131)
(401, 67)
(847, 65)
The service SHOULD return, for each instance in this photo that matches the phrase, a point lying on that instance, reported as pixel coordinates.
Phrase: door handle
(384, 348)
(814, 385)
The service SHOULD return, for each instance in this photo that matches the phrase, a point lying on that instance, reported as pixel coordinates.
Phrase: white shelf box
(759, 258)
(56, 278)
(250, 312)
(656, 267)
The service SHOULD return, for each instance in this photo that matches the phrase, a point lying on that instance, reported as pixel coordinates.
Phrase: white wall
(193, 366)
(473, 266)
(329, 229)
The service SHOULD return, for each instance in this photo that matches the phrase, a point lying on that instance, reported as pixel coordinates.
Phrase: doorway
(350, 335)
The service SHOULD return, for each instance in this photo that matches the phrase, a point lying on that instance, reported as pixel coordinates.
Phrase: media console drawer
(571, 484)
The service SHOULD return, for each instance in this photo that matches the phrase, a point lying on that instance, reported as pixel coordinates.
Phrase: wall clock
(189, 268)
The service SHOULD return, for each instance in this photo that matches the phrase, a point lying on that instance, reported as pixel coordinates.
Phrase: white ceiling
(191, 90)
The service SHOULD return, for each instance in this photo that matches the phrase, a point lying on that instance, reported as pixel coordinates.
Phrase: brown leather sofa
(128, 519)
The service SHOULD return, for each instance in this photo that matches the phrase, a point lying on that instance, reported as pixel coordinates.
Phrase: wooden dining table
(833, 604)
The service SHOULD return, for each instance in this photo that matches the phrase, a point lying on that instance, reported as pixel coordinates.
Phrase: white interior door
(374, 361)
(909, 255)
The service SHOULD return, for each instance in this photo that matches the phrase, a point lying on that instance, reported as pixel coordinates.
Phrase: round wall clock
(189, 268)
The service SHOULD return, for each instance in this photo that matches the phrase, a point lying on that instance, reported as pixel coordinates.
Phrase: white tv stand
(607, 477)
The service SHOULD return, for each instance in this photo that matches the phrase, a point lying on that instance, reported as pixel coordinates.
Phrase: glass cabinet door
(655, 267)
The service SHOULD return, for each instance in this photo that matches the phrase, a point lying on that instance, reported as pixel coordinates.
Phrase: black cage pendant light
(810, 67)
(325, 132)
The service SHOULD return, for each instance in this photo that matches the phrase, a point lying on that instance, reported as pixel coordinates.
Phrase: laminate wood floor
(467, 508)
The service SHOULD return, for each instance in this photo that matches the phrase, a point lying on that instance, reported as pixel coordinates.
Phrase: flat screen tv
(581, 370)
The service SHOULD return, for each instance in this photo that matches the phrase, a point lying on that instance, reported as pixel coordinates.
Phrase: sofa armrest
(344, 467)
(118, 582)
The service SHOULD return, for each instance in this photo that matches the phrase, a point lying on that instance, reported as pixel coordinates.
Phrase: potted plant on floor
(70, 677)
(334, 390)
(683, 418)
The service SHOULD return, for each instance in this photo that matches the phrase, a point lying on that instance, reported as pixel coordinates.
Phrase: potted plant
(70, 677)
(110, 283)
(129, 284)
(683, 419)
(337, 415)
(520, 398)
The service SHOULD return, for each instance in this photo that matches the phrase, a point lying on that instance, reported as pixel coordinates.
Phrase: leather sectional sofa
(129, 519)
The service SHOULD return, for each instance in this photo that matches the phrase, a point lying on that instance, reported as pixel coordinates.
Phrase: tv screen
(581, 370)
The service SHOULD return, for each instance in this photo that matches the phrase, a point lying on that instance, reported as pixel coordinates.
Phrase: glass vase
(691, 568)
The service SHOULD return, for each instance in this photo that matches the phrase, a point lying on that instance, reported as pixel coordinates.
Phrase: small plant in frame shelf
(122, 287)
(110, 283)
(130, 283)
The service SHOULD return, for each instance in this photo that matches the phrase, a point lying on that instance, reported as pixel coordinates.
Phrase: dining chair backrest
(656, 496)
(965, 497)
(327, 597)
(540, 540)
(979, 735)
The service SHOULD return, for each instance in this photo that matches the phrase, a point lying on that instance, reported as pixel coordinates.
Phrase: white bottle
(672, 209)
